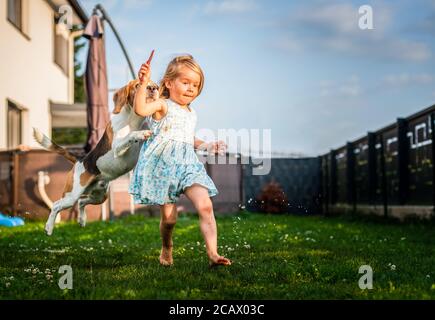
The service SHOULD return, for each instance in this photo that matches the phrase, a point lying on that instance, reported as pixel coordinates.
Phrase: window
(14, 125)
(18, 16)
(61, 47)
(15, 13)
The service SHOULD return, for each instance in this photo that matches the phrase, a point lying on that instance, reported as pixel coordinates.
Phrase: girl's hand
(144, 73)
(218, 147)
(145, 70)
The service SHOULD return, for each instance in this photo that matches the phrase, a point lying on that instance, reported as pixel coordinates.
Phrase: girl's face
(184, 88)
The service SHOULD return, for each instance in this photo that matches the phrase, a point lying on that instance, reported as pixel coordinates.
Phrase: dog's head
(124, 97)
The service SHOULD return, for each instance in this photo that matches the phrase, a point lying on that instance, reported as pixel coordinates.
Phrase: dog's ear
(120, 99)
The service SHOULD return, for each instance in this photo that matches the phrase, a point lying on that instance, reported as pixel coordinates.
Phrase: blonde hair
(172, 72)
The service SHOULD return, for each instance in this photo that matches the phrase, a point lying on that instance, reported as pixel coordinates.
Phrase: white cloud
(335, 28)
(349, 88)
(340, 18)
(137, 4)
(229, 6)
(406, 79)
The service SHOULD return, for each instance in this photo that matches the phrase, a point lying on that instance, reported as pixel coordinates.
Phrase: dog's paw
(48, 229)
(82, 223)
(119, 152)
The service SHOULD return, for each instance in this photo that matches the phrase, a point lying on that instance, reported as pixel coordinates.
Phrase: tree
(73, 136)
(79, 81)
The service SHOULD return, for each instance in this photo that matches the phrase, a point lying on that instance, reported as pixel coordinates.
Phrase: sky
(302, 70)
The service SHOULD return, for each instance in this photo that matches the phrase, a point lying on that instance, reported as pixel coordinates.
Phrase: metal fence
(388, 172)
(299, 178)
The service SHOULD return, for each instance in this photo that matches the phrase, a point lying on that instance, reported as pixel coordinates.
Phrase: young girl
(168, 165)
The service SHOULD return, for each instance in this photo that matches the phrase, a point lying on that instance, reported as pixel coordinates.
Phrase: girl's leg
(168, 218)
(200, 199)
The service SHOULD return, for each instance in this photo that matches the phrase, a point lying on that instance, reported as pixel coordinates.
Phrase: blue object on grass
(10, 221)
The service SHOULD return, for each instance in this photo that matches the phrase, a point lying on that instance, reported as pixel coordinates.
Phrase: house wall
(29, 77)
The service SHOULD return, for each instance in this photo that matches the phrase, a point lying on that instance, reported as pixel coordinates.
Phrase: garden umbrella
(96, 83)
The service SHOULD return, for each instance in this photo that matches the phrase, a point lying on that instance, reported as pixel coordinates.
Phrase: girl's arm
(141, 107)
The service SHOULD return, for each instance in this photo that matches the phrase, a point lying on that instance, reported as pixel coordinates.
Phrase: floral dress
(167, 162)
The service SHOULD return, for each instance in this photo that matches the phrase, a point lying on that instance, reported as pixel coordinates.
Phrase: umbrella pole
(106, 17)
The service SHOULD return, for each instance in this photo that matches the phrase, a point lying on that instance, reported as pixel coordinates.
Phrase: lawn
(275, 257)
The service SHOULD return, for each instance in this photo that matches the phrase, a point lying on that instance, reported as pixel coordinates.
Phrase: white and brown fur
(114, 155)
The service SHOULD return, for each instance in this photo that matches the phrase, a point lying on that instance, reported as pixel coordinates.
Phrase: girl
(168, 165)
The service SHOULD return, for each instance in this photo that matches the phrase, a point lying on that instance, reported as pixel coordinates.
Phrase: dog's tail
(45, 141)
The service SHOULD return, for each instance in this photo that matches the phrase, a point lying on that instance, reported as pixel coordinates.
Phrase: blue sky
(304, 70)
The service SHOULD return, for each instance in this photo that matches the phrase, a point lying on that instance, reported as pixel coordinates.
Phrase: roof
(80, 12)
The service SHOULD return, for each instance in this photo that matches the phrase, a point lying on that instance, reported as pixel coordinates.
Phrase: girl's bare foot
(218, 261)
(166, 257)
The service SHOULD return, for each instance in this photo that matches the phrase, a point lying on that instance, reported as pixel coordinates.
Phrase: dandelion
(331, 237)
(197, 243)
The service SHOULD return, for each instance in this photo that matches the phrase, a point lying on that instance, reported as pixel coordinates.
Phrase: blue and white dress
(167, 162)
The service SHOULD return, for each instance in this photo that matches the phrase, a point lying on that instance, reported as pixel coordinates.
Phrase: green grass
(275, 257)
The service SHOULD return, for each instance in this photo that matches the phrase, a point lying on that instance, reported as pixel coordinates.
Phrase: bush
(272, 199)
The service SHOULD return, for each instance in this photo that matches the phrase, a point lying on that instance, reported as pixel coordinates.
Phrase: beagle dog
(115, 154)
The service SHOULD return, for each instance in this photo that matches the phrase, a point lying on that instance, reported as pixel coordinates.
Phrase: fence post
(325, 185)
(333, 176)
(350, 175)
(432, 121)
(403, 160)
(371, 158)
(384, 177)
(241, 186)
(320, 186)
(15, 181)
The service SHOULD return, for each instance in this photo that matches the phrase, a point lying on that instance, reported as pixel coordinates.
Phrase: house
(37, 68)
